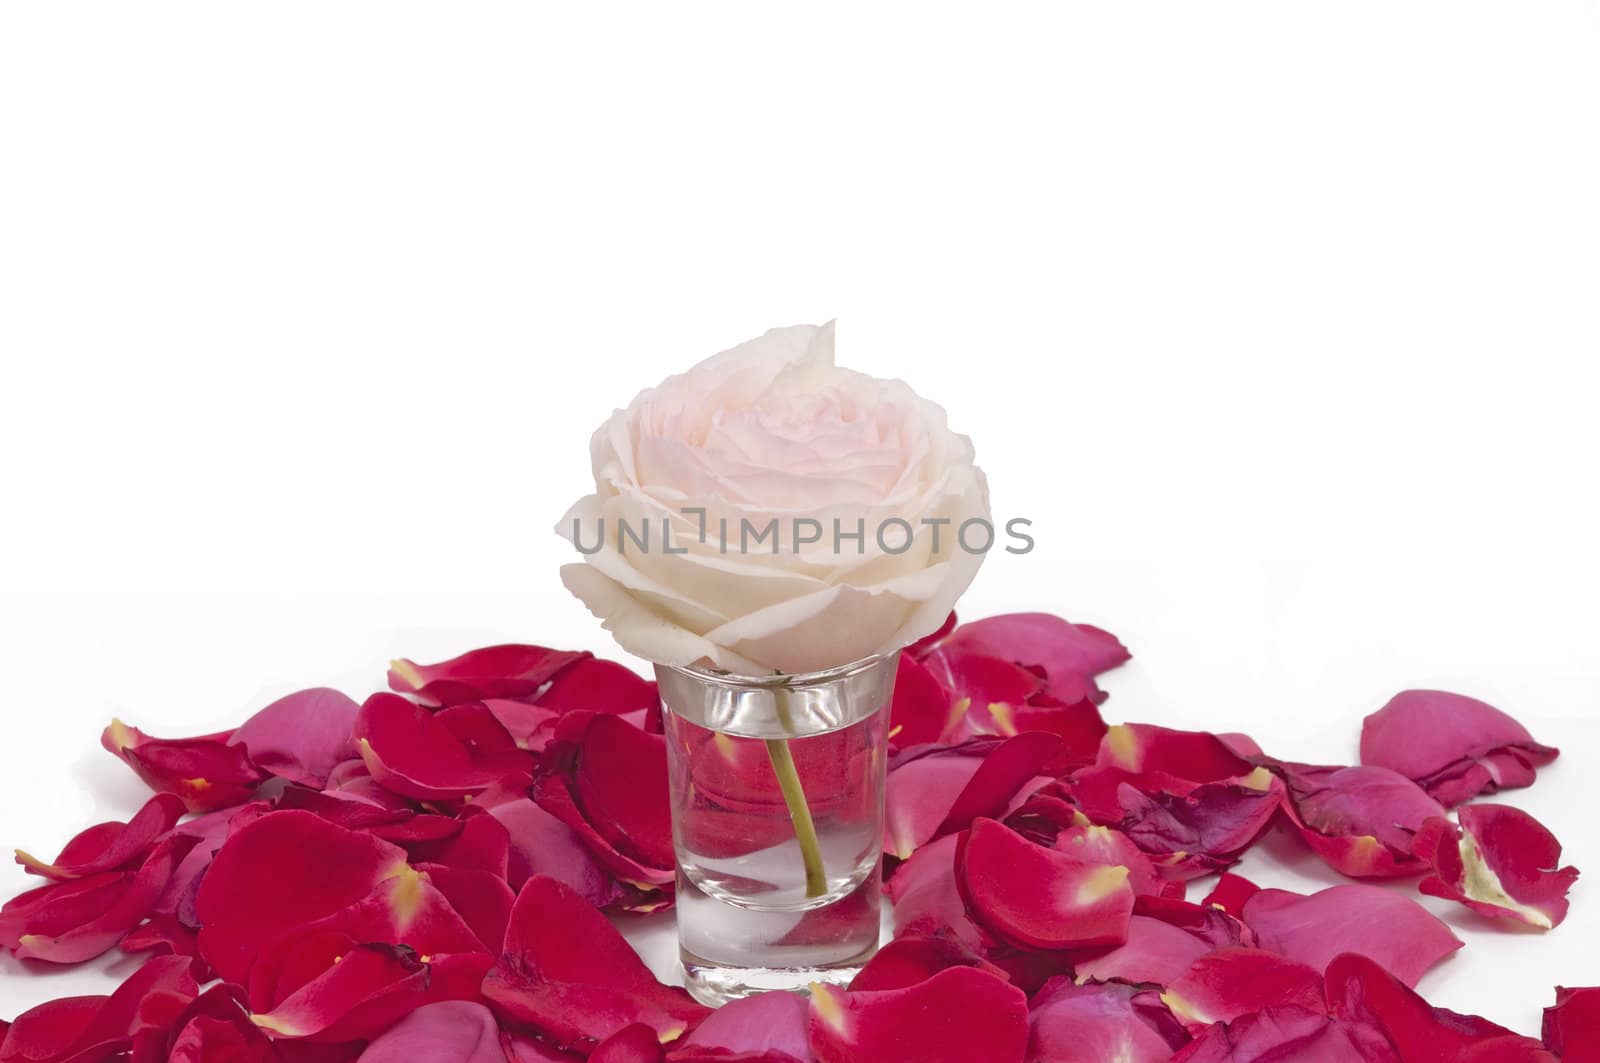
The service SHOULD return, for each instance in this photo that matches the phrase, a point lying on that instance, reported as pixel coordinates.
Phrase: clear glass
(777, 819)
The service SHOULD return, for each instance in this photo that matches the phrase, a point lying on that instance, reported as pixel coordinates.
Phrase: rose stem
(794, 795)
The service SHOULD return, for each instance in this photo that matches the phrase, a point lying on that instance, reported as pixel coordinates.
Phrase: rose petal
(764, 1026)
(283, 871)
(300, 737)
(1456, 747)
(631, 1044)
(1070, 1023)
(942, 790)
(457, 1031)
(206, 772)
(1300, 1035)
(1572, 1024)
(94, 1028)
(1230, 894)
(598, 685)
(110, 846)
(214, 1028)
(412, 752)
(1393, 930)
(1061, 649)
(620, 776)
(508, 671)
(541, 844)
(1223, 985)
(921, 707)
(928, 901)
(1037, 897)
(913, 958)
(1360, 820)
(959, 1015)
(1501, 863)
(363, 992)
(569, 974)
(73, 921)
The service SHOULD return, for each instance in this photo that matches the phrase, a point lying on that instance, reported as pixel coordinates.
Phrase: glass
(777, 822)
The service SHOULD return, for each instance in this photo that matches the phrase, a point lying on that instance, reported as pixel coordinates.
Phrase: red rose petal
(1070, 1023)
(942, 790)
(283, 871)
(110, 846)
(363, 992)
(620, 776)
(631, 1044)
(597, 685)
(1360, 991)
(73, 921)
(927, 899)
(921, 708)
(214, 1028)
(1456, 747)
(1223, 985)
(1572, 1025)
(457, 1031)
(1196, 756)
(1037, 897)
(302, 736)
(206, 772)
(914, 958)
(1393, 930)
(569, 974)
(1289, 1035)
(1165, 937)
(1230, 894)
(412, 752)
(1360, 820)
(1501, 863)
(960, 1015)
(481, 898)
(509, 671)
(482, 844)
(81, 1029)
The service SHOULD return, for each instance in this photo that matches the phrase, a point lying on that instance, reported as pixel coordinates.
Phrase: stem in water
(794, 795)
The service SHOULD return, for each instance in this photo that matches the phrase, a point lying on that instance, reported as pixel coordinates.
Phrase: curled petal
(1501, 863)
(300, 737)
(1195, 756)
(541, 844)
(206, 772)
(70, 922)
(1037, 897)
(110, 846)
(509, 671)
(1456, 747)
(1360, 820)
(567, 973)
(921, 707)
(1394, 931)
(959, 1015)
(631, 1044)
(597, 685)
(1093, 1023)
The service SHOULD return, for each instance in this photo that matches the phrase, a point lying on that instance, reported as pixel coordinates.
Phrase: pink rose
(768, 511)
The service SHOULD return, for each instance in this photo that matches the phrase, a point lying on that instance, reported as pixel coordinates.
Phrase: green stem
(794, 795)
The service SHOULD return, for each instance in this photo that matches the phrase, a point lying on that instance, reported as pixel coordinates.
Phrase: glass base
(731, 951)
(715, 986)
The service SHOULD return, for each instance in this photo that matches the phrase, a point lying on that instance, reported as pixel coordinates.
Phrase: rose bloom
(768, 511)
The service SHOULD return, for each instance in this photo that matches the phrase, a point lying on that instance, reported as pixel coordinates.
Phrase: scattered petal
(1456, 747)
(958, 1016)
(1501, 863)
(1226, 984)
(110, 846)
(1572, 1024)
(457, 1031)
(1094, 1023)
(206, 772)
(509, 671)
(1360, 820)
(1396, 932)
(413, 752)
(300, 737)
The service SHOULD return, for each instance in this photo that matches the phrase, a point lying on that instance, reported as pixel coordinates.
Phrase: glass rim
(777, 680)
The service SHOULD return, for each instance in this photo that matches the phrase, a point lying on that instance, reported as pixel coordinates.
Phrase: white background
(1278, 320)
